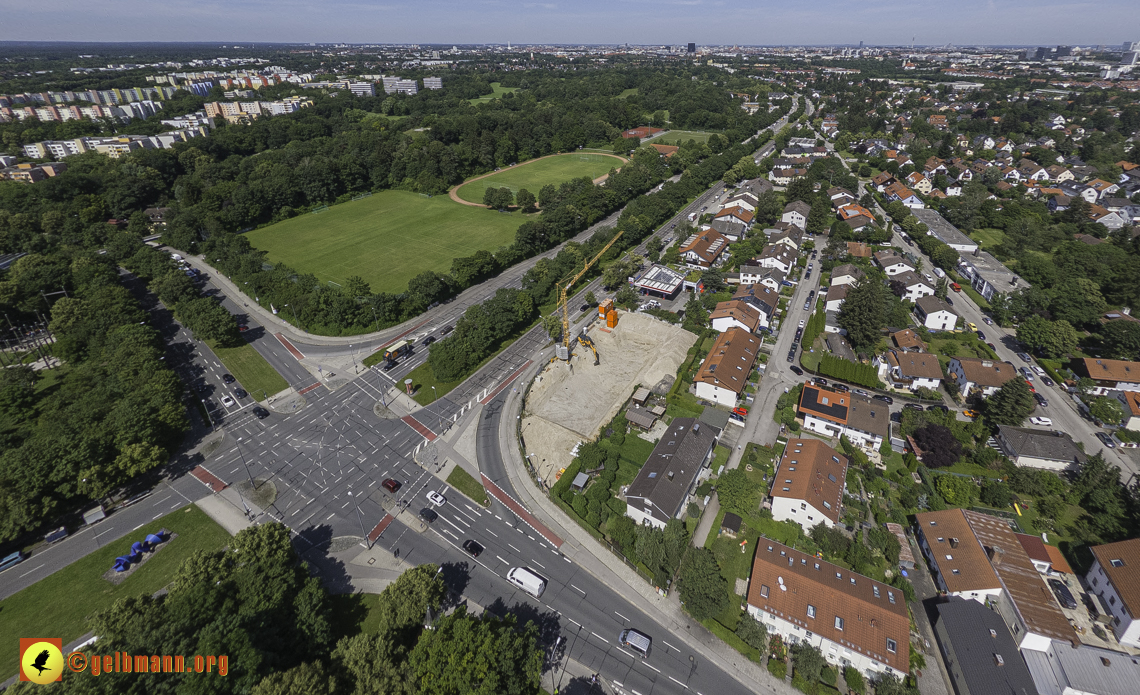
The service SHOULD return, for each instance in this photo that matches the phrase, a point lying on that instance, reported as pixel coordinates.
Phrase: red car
(956, 287)
(742, 412)
(391, 486)
(1031, 387)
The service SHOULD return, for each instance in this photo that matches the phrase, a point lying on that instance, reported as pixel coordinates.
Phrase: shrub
(779, 669)
(753, 633)
(828, 675)
(854, 679)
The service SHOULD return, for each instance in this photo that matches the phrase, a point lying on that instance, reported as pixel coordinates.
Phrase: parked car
(938, 407)
(796, 370)
(792, 354)
(807, 305)
(1064, 596)
(1027, 374)
(743, 412)
(240, 393)
(820, 381)
(842, 388)
(1041, 421)
(912, 406)
(970, 413)
(1047, 381)
(886, 399)
(949, 302)
(1106, 440)
(1030, 385)
(981, 336)
(956, 287)
(801, 323)
(392, 486)
(473, 549)
(988, 320)
(436, 499)
(228, 379)
(896, 416)
(228, 402)
(1024, 357)
(799, 334)
(1041, 400)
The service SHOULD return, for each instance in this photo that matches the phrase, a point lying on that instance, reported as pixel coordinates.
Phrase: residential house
(836, 294)
(882, 180)
(735, 314)
(980, 654)
(919, 183)
(792, 237)
(703, 249)
(808, 484)
(892, 263)
(945, 232)
(742, 200)
(777, 256)
(858, 249)
(1111, 220)
(1061, 669)
(856, 216)
(724, 373)
(1104, 189)
(897, 192)
(1109, 375)
(1032, 171)
(840, 196)
(910, 370)
(663, 484)
(735, 215)
(1058, 173)
(797, 213)
(977, 556)
(863, 421)
(846, 274)
(988, 275)
(1115, 578)
(772, 278)
(982, 374)
(761, 298)
(908, 340)
(1051, 450)
(853, 620)
(1131, 401)
(935, 314)
(783, 176)
(913, 285)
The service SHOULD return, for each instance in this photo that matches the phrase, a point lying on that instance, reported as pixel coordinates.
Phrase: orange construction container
(611, 319)
(605, 307)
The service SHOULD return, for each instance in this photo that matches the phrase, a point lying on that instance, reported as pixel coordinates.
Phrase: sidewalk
(580, 547)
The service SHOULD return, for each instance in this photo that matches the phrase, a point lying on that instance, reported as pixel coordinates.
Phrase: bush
(828, 675)
(703, 589)
(779, 669)
(753, 633)
(854, 679)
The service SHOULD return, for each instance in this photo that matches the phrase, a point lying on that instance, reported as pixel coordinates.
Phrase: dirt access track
(570, 402)
(454, 192)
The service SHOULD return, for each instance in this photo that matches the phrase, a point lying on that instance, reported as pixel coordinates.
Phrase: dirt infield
(569, 403)
(454, 192)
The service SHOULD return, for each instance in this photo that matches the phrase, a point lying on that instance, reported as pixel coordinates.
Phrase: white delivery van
(638, 642)
(176, 256)
(528, 580)
(938, 272)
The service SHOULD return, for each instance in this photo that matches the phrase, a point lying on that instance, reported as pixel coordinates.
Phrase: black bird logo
(41, 659)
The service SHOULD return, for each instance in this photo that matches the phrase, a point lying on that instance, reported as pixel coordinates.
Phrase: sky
(661, 22)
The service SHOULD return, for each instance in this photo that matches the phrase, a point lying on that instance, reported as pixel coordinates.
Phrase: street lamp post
(352, 354)
(294, 312)
(253, 484)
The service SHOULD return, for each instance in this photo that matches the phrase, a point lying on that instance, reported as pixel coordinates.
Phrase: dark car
(1041, 400)
(886, 399)
(938, 407)
(1064, 596)
(842, 388)
(228, 379)
(473, 549)
(428, 515)
(799, 334)
(949, 302)
(240, 393)
(820, 381)
(585, 307)
(392, 486)
(1106, 440)
(981, 336)
(791, 354)
(912, 406)
(429, 340)
(387, 365)
(1047, 381)
(896, 416)
(260, 412)
(796, 370)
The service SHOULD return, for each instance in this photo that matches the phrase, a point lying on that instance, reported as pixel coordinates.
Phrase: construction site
(570, 401)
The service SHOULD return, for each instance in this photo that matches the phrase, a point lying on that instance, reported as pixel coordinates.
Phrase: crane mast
(564, 349)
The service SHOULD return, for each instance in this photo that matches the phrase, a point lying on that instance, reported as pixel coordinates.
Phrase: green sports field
(387, 238)
(535, 174)
(676, 137)
(495, 94)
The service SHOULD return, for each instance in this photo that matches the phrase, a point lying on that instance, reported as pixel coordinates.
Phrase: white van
(637, 641)
(938, 272)
(528, 580)
(176, 256)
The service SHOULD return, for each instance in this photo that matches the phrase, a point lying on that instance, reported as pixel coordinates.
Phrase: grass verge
(251, 370)
(463, 481)
(353, 614)
(60, 604)
(536, 173)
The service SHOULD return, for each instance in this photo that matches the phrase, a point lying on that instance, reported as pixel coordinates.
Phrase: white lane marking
(621, 616)
(566, 559)
(539, 564)
(668, 645)
(600, 637)
(654, 668)
(583, 592)
(678, 682)
(491, 532)
(502, 560)
(33, 569)
(136, 528)
(450, 534)
(515, 549)
(574, 621)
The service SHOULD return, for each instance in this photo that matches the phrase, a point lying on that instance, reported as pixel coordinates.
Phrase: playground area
(570, 402)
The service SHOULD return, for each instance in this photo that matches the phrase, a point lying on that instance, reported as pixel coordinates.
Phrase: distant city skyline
(642, 22)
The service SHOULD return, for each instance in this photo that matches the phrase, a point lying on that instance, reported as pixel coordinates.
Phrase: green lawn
(498, 92)
(251, 370)
(626, 93)
(535, 174)
(675, 137)
(988, 237)
(387, 238)
(353, 614)
(59, 604)
(463, 481)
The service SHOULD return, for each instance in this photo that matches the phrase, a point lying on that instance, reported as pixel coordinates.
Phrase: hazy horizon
(638, 22)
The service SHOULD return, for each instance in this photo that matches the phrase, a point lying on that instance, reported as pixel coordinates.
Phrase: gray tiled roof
(666, 477)
(1039, 444)
(976, 634)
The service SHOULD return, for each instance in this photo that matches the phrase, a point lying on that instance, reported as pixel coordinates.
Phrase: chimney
(953, 542)
(670, 474)
(996, 554)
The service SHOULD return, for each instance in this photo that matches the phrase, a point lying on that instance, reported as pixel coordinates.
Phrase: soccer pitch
(676, 137)
(535, 174)
(387, 238)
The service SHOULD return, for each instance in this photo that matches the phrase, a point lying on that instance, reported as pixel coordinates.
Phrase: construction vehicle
(563, 350)
(396, 351)
(587, 342)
